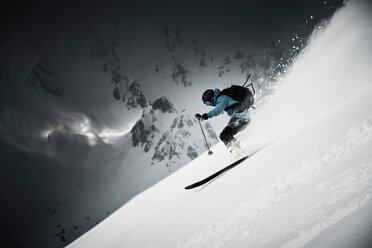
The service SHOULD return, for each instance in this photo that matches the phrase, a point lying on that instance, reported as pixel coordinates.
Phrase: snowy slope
(302, 189)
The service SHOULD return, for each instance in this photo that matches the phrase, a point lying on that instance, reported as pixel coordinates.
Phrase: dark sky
(253, 21)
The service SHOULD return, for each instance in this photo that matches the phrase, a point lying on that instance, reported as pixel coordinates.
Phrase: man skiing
(236, 101)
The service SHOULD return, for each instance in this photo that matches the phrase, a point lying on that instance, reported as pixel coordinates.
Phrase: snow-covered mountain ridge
(167, 134)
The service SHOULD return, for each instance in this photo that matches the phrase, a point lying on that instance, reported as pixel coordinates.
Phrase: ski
(220, 172)
(197, 184)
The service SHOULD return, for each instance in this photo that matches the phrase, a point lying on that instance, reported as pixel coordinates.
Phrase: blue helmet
(208, 95)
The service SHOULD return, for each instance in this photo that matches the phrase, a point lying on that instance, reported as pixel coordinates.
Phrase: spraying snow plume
(335, 66)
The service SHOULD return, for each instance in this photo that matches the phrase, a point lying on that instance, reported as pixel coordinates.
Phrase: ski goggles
(208, 103)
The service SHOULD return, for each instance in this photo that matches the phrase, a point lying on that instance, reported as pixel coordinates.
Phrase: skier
(236, 101)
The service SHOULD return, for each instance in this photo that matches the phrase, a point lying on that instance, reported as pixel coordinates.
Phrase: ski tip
(190, 186)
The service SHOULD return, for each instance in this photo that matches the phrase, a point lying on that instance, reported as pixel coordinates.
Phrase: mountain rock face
(42, 78)
(199, 54)
(168, 135)
(144, 131)
(136, 97)
(125, 90)
(174, 43)
(181, 76)
(163, 104)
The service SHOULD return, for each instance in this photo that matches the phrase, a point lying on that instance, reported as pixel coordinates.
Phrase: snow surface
(310, 186)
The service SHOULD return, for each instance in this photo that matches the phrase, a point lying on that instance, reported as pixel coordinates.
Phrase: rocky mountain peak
(163, 104)
(169, 136)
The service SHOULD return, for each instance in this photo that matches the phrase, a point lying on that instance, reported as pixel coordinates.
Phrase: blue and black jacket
(226, 103)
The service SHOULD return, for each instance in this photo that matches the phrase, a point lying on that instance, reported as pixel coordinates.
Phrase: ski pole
(247, 79)
(206, 142)
(251, 84)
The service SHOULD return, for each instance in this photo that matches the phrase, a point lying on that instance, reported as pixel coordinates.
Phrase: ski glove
(201, 117)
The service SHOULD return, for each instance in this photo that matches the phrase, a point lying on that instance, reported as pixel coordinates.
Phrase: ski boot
(235, 149)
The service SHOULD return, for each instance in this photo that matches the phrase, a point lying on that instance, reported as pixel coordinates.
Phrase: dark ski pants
(234, 126)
